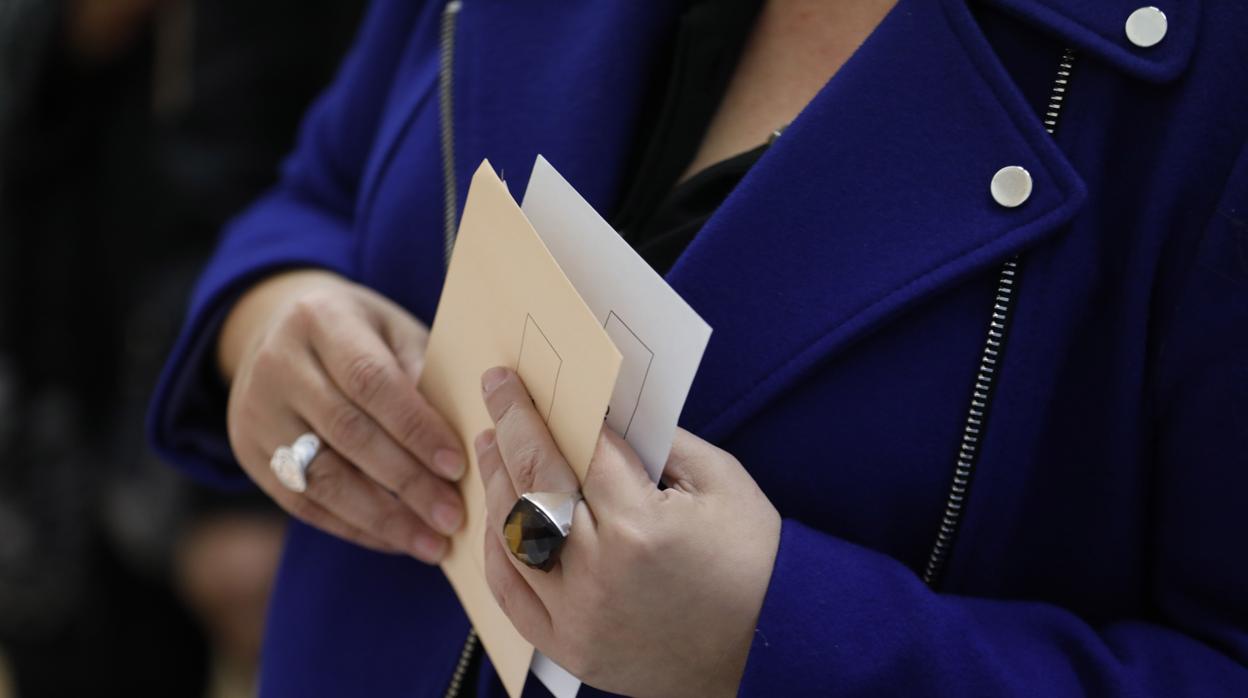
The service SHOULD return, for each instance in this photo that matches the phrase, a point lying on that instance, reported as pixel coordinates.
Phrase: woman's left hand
(657, 592)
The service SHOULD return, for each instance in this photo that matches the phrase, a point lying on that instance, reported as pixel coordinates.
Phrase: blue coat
(850, 280)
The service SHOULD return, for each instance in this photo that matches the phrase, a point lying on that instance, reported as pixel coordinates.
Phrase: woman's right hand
(310, 351)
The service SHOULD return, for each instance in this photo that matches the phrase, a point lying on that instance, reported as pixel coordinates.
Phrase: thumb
(406, 336)
(698, 466)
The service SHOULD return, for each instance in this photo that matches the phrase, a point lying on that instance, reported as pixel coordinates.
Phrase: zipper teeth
(446, 107)
(1057, 95)
(461, 667)
(450, 204)
(985, 377)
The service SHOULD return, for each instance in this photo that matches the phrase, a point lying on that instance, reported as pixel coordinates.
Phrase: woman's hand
(657, 592)
(310, 351)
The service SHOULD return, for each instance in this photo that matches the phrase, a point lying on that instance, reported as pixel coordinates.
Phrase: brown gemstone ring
(538, 525)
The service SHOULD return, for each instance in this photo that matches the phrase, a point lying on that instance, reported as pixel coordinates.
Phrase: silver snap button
(1146, 27)
(1011, 186)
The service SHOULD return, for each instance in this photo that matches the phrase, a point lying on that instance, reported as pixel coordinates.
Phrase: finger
(617, 479)
(692, 466)
(368, 374)
(313, 514)
(501, 497)
(353, 433)
(406, 336)
(514, 595)
(306, 510)
(340, 488)
(581, 547)
(500, 494)
(529, 452)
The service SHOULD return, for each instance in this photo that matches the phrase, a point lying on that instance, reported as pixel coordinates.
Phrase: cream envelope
(507, 303)
(661, 338)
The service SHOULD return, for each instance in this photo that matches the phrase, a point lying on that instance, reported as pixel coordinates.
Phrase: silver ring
(290, 463)
(538, 525)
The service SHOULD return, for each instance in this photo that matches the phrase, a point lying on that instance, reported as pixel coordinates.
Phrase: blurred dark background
(130, 130)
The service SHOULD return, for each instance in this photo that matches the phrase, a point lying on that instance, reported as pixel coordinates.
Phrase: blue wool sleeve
(306, 220)
(840, 620)
(843, 620)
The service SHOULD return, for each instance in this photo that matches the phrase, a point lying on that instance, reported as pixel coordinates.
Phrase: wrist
(737, 653)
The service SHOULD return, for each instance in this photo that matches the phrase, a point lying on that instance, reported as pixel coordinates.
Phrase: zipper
(985, 377)
(461, 667)
(446, 108)
(450, 217)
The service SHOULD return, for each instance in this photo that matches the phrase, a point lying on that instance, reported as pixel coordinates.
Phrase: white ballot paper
(660, 337)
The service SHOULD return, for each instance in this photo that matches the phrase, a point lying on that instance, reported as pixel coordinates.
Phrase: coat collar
(1098, 30)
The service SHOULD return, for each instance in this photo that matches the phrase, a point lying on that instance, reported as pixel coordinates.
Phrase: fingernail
(491, 378)
(447, 517)
(427, 547)
(449, 463)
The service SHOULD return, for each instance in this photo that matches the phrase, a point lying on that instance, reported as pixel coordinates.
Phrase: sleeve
(306, 220)
(842, 620)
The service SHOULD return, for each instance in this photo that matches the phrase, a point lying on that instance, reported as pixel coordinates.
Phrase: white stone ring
(538, 525)
(290, 463)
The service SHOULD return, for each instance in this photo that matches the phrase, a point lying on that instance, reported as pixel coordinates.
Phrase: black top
(660, 221)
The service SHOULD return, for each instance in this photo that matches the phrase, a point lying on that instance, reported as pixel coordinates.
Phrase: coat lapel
(564, 80)
(875, 198)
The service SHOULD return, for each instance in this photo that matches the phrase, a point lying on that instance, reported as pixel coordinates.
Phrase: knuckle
(366, 375)
(637, 542)
(493, 517)
(416, 366)
(390, 524)
(325, 484)
(413, 426)
(508, 411)
(349, 428)
(411, 486)
(268, 358)
(307, 310)
(302, 508)
(525, 463)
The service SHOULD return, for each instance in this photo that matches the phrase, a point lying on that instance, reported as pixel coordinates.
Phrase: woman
(1004, 241)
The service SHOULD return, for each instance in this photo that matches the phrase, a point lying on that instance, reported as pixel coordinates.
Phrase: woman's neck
(796, 46)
